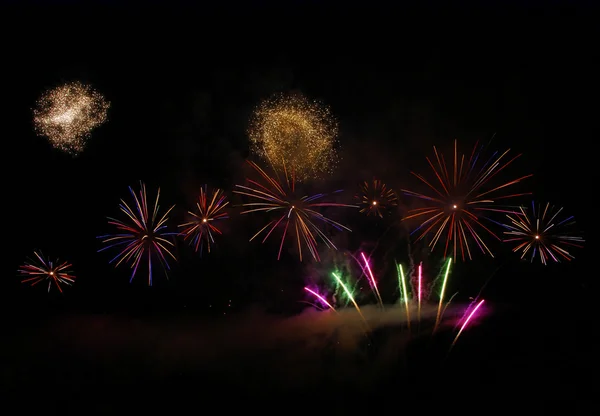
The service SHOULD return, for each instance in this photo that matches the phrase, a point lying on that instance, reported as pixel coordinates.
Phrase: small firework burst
(143, 234)
(66, 115)
(209, 210)
(375, 198)
(292, 131)
(541, 232)
(40, 269)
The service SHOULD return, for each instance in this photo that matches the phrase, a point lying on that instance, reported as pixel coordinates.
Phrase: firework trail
(420, 295)
(542, 233)
(296, 215)
(442, 294)
(466, 321)
(419, 289)
(376, 198)
(66, 115)
(404, 296)
(142, 235)
(459, 197)
(320, 298)
(290, 131)
(42, 269)
(210, 208)
(350, 296)
(373, 281)
(405, 299)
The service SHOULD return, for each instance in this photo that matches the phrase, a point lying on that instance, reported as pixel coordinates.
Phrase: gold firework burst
(292, 131)
(67, 114)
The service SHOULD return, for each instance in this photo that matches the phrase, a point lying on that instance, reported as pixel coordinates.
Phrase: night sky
(183, 83)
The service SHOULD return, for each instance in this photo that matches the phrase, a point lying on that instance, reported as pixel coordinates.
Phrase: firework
(320, 298)
(372, 277)
(376, 198)
(442, 294)
(466, 321)
(460, 197)
(66, 115)
(419, 295)
(142, 235)
(297, 132)
(209, 210)
(42, 269)
(420, 289)
(296, 215)
(542, 233)
(349, 294)
(404, 296)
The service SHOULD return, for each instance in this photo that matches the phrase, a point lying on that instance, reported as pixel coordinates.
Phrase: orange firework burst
(43, 269)
(542, 233)
(300, 212)
(376, 198)
(460, 196)
(209, 209)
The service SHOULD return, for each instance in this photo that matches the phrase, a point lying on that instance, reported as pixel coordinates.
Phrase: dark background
(182, 82)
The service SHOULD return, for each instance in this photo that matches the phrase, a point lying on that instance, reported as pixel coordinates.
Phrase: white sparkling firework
(66, 115)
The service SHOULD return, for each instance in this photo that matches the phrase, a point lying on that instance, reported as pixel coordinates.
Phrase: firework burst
(142, 235)
(66, 115)
(375, 198)
(290, 131)
(296, 215)
(460, 195)
(543, 233)
(209, 210)
(42, 269)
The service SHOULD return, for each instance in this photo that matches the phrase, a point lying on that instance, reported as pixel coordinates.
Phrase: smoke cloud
(285, 353)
